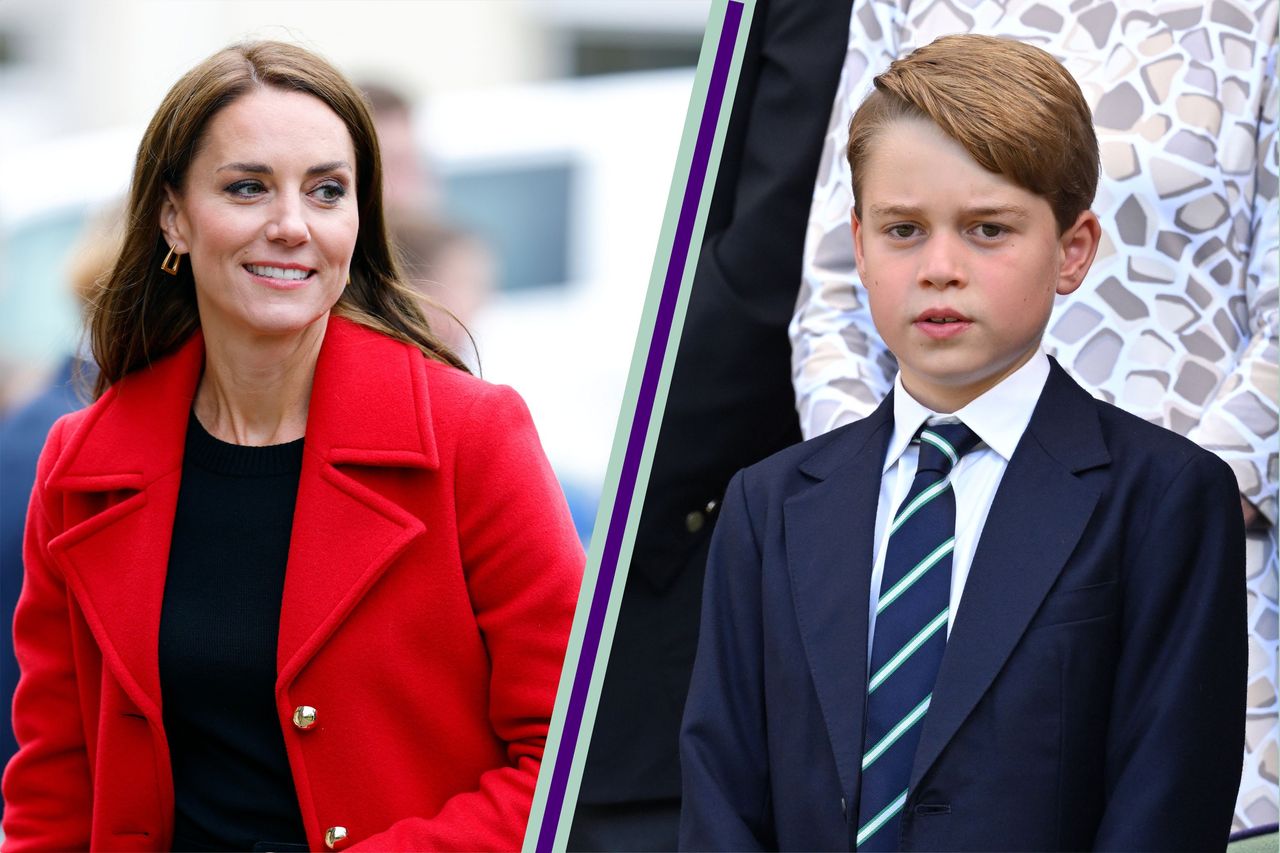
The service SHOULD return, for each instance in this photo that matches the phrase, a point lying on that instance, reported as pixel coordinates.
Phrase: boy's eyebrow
(987, 210)
(1014, 210)
(263, 169)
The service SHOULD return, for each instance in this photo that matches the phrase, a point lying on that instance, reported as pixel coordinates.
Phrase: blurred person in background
(22, 435)
(410, 186)
(271, 395)
(453, 269)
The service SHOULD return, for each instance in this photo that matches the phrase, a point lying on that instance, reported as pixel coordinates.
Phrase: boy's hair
(1011, 105)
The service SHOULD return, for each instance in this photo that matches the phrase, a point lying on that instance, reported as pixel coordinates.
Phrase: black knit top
(233, 789)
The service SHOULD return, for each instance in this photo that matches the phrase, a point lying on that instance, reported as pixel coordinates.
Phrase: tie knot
(942, 445)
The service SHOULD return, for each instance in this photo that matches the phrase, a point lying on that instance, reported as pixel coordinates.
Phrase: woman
(271, 396)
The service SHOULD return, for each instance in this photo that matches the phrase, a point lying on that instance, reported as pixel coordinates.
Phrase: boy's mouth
(941, 315)
(941, 322)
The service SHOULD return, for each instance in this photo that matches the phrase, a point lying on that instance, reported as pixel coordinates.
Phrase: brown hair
(140, 313)
(1011, 105)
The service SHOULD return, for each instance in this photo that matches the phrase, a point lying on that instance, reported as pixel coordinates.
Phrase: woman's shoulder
(457, 396)
(449, 398)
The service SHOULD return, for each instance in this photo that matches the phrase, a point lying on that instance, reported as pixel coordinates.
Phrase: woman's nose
(288, 222)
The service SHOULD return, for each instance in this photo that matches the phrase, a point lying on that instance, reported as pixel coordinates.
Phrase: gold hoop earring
(171, 261)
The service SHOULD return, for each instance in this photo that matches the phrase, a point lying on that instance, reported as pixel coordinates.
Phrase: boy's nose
(941, 261)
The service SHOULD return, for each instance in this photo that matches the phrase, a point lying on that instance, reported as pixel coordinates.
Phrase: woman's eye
(246, 189)
(330, 191)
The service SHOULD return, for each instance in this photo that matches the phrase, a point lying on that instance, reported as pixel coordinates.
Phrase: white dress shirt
(998, 417)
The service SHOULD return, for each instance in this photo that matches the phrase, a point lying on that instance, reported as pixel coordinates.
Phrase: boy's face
(961, 264)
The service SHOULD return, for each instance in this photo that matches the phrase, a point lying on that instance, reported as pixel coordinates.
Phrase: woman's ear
(173, 223)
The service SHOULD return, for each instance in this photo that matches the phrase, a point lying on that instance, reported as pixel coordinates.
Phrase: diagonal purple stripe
(640, 423)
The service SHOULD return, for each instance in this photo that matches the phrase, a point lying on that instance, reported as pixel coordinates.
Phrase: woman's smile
(267, 213)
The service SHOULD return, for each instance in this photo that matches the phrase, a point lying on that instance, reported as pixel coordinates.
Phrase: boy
(995, 614)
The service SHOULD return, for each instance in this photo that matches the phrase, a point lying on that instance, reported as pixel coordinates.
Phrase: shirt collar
(999, 416)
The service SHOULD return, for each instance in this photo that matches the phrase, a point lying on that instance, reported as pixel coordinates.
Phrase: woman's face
(267, 214)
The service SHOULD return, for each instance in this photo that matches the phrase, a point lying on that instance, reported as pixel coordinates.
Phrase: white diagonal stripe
(908, 650)
(871, 826)
(896, 732)
(904, 583)
(940, 443)
(919, 501)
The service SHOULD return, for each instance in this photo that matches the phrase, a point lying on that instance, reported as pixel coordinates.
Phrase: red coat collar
(369, 406)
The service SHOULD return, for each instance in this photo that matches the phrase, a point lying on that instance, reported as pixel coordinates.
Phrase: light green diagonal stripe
(871, 826)
(896, 732)
(908, 650)
(919, 501)
(906, 581)
(942, 444)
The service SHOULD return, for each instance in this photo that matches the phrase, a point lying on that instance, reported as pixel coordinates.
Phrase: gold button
(334, 835)
(693, 521)
(304, 717)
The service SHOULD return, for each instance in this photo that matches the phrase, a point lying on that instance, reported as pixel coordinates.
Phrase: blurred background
(529, 148)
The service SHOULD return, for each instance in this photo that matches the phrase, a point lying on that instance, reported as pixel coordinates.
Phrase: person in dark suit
(730, 404)
(997, 613)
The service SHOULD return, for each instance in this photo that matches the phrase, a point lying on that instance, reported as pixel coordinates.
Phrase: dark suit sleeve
(723, 755)
(1177, 727)
(730, 402)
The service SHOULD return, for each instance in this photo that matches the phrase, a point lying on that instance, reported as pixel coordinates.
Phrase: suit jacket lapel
(830, 535)
(1039, 513)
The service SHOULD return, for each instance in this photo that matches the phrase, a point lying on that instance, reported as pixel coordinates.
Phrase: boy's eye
(902, 232)
(246, 188)
(990, 230)
(329, 192)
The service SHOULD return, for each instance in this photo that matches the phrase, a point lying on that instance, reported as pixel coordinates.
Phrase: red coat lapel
(122, 467)
(121, 470)
(369, 408)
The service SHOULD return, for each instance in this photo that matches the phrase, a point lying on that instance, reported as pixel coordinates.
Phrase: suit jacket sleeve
(48, 791)
(723, 755)
(731, 402)
(1177, 713)
(524, 565)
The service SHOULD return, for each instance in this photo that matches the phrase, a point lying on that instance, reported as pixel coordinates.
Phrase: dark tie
(910, 632)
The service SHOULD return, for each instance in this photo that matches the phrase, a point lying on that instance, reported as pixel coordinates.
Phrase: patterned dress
(1177, 320)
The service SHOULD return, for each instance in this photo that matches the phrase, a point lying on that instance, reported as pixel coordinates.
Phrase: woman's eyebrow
(263, 169)
(252, 168)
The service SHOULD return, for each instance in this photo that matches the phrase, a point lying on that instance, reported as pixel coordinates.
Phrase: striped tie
(910, 632)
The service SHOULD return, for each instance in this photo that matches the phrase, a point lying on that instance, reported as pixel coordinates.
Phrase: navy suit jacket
(1092, 691)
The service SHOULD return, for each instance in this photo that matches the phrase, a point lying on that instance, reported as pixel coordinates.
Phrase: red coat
(431, 581)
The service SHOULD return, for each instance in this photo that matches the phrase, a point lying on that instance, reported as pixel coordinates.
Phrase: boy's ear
(1079, 245)
(855, 225)
(172, 222)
